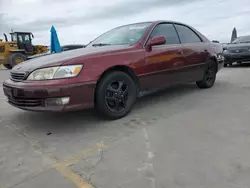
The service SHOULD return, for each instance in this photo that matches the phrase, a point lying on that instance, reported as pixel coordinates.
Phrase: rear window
(187, 35)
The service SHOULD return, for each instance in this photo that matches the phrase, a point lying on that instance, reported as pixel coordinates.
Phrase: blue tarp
(54, 41)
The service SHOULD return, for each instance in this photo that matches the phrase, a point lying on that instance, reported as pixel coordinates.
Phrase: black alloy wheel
(209, 76)
(210, 73)
(116, 94)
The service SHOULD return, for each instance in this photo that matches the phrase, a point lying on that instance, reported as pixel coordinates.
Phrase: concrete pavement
(182, 137)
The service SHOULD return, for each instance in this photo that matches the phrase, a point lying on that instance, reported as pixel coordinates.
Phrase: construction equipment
(18, 49)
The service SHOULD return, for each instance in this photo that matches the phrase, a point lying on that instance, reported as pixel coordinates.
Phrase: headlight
(55, 72)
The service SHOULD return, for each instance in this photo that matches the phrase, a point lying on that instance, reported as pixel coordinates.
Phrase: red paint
(153, 65)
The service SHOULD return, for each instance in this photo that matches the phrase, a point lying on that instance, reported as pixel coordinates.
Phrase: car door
(194, 51)
(164, 60)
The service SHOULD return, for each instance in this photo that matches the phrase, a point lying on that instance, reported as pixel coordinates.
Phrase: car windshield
(245, 39)
(128, 34)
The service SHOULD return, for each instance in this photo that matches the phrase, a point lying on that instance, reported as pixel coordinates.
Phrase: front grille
(18, 77)
(25, 102)
(238, 50)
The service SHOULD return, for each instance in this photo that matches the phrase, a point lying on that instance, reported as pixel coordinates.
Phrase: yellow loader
(18, 49)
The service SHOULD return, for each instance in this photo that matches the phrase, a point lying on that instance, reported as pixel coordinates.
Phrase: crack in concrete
(60, 166)
(148, 169)
(36, 148)
(94, 166)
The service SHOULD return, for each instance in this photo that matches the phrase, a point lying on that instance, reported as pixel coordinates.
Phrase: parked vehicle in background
(215, 41)
(237, 51)
(64, 48)
(72, 47)
(110, 71)
(18, 49)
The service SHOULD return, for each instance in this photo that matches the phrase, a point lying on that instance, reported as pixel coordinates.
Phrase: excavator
(18, 49)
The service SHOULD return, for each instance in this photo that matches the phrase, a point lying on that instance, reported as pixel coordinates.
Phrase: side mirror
(155, 41)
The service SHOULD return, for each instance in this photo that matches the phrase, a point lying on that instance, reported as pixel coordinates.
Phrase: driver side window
(168, 31)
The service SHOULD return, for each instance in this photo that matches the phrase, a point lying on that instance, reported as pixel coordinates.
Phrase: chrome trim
(17, 76)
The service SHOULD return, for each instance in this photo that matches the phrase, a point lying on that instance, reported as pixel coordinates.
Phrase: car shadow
(89, 119)
(242, 65)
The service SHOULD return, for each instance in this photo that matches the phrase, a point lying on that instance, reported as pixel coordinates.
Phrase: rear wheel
(16, 59)
(7, 66)
(116, 94)
(209, 76)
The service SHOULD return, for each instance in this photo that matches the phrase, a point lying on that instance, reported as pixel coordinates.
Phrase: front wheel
(209, 76)
(116, 94)
(16, 58)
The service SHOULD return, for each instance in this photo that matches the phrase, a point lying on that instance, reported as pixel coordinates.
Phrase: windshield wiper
(101, 44)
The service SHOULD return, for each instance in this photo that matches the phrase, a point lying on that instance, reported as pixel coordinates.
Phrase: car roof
(170, 21)
(246, 36)
(158, 21)
(154, 23)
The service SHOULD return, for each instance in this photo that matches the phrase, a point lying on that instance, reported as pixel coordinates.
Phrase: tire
(225, 64)
(209, 76)
(7, 66)
(15, 59)
(116, 94)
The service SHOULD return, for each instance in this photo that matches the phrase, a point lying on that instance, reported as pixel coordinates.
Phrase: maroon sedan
(114, 68)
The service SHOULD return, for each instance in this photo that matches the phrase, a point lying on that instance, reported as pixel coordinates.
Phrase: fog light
(57, 101)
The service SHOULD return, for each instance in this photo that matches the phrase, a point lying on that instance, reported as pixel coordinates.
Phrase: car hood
(238, 46)
(60, 58)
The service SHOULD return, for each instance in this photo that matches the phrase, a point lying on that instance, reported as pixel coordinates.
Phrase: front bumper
(220, 61)
(33, 98)
(233, 57)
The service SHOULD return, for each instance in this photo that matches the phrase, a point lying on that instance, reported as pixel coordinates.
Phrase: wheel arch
(213, 58)
(123, 68)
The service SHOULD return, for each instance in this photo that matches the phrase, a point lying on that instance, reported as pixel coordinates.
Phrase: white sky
(80, 21)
